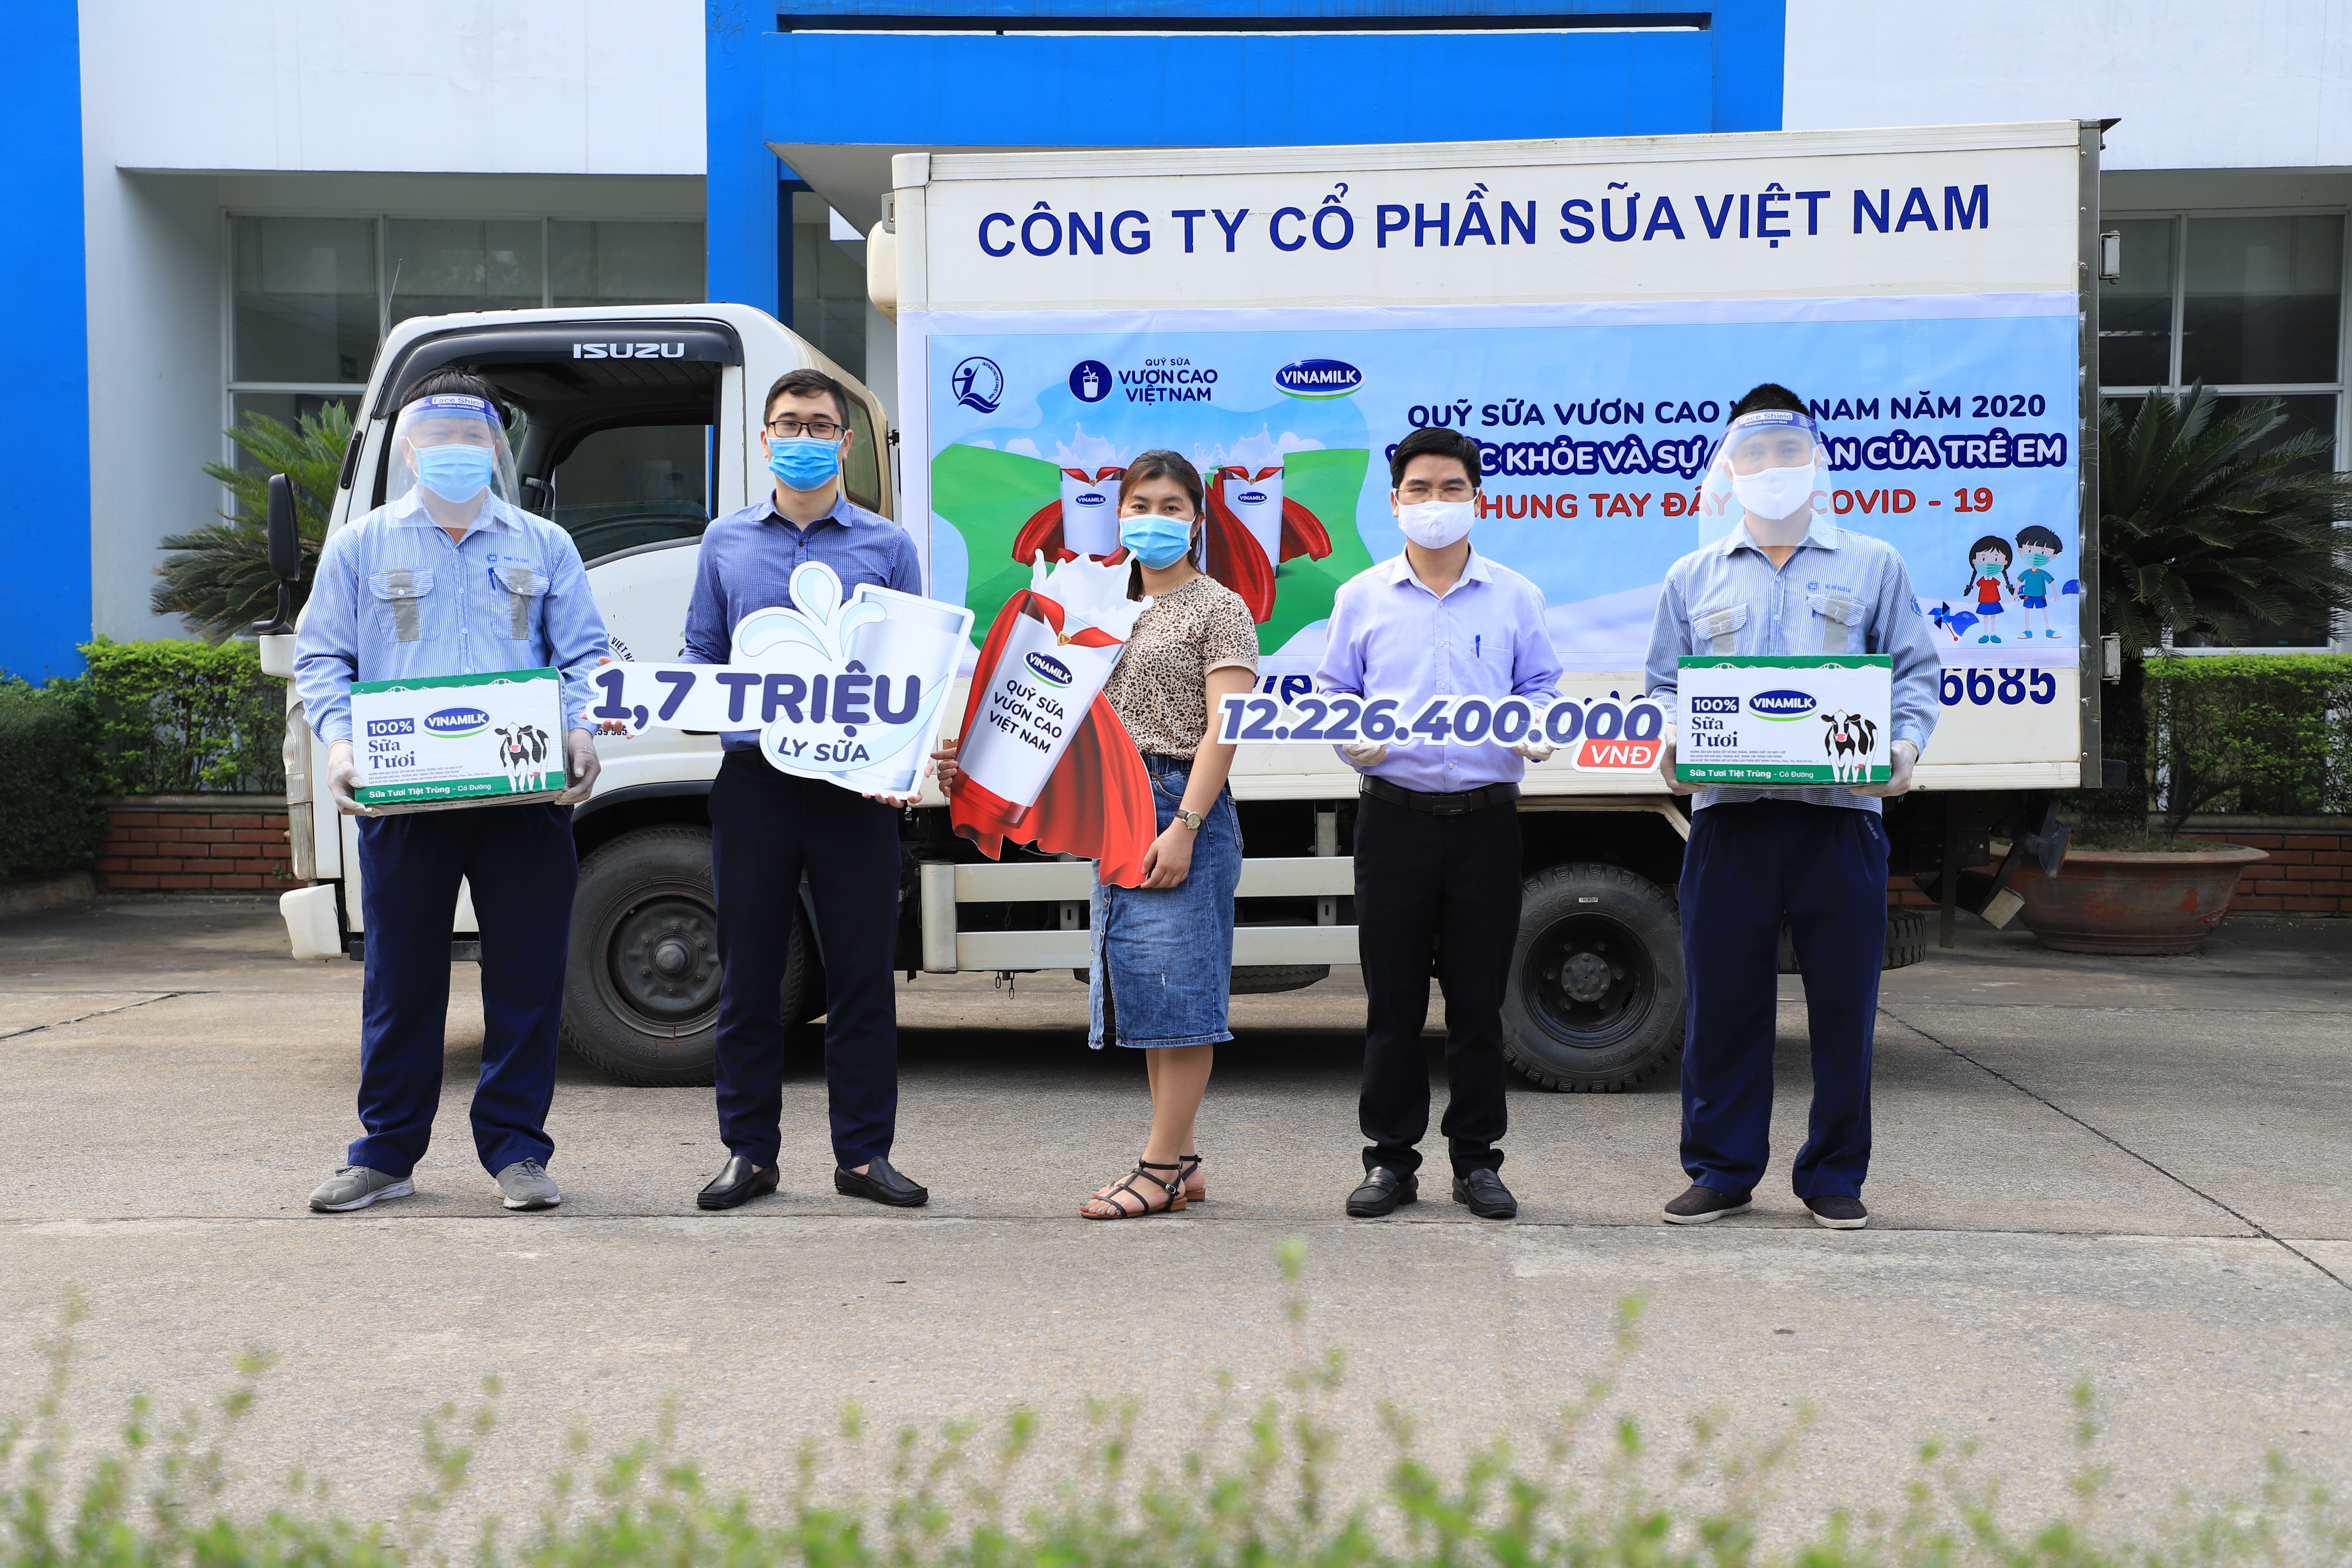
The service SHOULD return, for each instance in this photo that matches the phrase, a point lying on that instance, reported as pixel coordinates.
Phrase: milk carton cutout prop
(1043, 756)
(1085, 521)
(847, 693)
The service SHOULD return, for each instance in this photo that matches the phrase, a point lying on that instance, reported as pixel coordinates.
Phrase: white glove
(1900, 756)
(580, 765)
(1666, 767)
(1535, 751)
(1365, 753)
(343, 781)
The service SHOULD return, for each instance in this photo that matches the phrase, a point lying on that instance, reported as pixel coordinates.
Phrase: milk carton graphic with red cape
(1085, 521)
(1253, 529)
(1045, 759)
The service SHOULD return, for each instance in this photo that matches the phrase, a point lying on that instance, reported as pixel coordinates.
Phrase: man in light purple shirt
(1437, 833)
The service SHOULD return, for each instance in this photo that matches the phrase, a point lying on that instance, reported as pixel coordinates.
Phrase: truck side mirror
(285, 556)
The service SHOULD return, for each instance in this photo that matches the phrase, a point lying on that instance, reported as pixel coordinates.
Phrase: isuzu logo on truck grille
(628, 351)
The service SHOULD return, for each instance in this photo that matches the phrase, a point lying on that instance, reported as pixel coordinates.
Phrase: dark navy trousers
(766, 829)
(520, 863)
(1749, 864)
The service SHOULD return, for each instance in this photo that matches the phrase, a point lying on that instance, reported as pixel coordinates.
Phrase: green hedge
(186, 718)
(51, 819)
(2267, 733)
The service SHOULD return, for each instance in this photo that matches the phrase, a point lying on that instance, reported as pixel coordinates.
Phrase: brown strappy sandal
(1125, 1188)
(1192, 1168)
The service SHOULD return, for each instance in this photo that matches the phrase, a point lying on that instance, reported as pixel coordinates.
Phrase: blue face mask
(1157, 541)
(455, 472)
(802, 462)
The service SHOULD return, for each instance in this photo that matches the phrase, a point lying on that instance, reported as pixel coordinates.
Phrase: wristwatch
(1192, 819)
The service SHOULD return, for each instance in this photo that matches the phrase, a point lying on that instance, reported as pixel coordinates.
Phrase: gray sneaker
(527, 1185)
(355, 1187)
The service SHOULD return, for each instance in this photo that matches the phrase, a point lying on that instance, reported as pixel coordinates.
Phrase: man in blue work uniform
(768, 829)
(1437, 826)
(450, 576)
(1785, 581)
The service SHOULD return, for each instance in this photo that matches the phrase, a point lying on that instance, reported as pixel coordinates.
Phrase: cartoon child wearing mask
(1988, 560)
(2037, 548)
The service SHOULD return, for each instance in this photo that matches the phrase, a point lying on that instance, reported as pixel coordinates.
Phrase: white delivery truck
(1587, 309)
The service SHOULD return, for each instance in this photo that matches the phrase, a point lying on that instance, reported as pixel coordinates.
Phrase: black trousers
(1448, 885)
(766, 828)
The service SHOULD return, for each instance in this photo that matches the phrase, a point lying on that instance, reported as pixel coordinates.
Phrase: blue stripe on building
(45, 355)
(866, 72)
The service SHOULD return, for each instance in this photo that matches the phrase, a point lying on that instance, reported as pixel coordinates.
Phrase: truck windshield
(628, 485)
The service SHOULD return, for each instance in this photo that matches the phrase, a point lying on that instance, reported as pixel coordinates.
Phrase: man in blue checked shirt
(450, 576)
(1785, 581)
(1437, 831)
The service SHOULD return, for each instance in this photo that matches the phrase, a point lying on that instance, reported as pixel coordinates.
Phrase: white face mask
(1435, 524)
(1775, 493)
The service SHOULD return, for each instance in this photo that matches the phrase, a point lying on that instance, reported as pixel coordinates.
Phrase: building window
(828, 261)
(2253, 306)
(311, 297)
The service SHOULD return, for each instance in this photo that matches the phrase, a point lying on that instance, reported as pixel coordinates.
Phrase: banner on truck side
(848, 693)
(427, 743)
(1783, 720)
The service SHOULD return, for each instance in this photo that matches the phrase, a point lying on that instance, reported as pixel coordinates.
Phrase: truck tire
(1594, 1002)
(1907, 941)
(641, 986)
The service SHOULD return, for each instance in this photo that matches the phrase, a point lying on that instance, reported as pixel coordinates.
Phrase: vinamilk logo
(1048, 668)
(1318, 379)
(456, 722)
(1782, 705)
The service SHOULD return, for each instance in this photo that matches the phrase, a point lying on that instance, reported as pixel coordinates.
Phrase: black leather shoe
(882, 1184)
(1382, 1191)
(1483, 1192)
(737, 1182)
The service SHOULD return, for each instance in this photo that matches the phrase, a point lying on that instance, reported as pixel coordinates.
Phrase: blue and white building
(219, 206)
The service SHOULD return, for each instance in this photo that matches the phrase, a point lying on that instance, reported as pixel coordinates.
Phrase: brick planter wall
(193, 843)
(2309, 871)
(2310, 868)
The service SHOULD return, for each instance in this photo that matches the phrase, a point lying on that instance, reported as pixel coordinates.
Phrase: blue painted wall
(1180, 90)
(44, 355)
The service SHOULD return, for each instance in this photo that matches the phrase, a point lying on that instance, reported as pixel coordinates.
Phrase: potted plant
(2206, 532)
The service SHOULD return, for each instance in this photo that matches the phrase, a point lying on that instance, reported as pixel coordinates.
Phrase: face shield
(1770, 466)
(452, 447)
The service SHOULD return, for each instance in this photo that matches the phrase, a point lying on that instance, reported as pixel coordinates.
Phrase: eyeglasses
(1414, 491)
(823, 429)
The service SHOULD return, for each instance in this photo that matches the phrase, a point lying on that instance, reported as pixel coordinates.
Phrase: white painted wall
(2241, 84)
(192, 109)
(571, 87)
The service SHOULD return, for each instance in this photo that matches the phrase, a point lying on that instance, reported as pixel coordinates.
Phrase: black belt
(1460, 803)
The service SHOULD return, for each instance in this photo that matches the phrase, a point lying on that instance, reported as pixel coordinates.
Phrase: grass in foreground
(1253, 1490)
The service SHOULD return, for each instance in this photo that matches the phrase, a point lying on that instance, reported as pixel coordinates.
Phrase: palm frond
(2207, 530)
(216, 578)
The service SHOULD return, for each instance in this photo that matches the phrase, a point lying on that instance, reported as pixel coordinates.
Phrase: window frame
(381, 220)
(2340, 635)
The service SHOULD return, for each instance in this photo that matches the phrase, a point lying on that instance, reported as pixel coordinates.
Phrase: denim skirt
(1164, 957)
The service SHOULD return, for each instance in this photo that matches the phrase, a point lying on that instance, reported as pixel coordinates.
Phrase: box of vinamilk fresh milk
(432, 742)
(1781, 721)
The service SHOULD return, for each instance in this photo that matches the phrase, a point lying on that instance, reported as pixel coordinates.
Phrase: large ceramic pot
(2110, 901)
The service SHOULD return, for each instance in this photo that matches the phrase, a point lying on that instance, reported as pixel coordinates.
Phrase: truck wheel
(1594, 1003)
(641, 984)
(1907, 941)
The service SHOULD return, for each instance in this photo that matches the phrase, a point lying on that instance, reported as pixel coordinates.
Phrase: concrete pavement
(2135, 1170)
